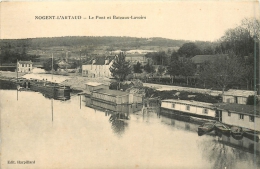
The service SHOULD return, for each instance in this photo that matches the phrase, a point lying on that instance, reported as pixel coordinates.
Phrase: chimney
(93, 61)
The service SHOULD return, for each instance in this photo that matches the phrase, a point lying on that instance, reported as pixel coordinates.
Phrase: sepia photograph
(112, 84)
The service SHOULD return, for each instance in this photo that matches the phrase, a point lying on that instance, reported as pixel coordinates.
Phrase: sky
(187, 20)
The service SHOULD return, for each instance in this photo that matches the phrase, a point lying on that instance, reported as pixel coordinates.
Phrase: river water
(84, 137)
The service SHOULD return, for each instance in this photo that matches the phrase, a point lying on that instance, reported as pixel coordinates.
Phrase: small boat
(251, 134)
(206, 128)
(222, 128)
(237, 132)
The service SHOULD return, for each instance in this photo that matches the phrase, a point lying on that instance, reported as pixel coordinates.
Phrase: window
(187, 107)
(251, 118)
(241, 116)
(228, 100)
(22, 65)
(205, 111)
(173, 105)
(229, 113)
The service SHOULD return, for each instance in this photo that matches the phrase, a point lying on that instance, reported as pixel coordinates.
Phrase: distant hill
(94, 41)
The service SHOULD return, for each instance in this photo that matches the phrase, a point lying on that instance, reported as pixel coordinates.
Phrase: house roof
(239, 108)
(101, 60)
(25, 62)
(111, 92)
(242, 93)
(210, 58)
(190, 102)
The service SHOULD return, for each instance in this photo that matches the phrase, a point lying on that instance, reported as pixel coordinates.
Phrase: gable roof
(101, 60)
(210, 58)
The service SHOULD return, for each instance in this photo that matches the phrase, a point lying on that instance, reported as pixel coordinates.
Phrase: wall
(240, 100)
(236, 121)
(104, 97)
(96, 70)
(193, 109)
(24, 68)
(122, 99)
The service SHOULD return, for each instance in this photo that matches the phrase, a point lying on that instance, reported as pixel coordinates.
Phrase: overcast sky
(189, 20)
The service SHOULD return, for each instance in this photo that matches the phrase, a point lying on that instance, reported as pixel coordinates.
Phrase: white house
(98, 67)
(24, 66)
(190, 108)
(237, 96)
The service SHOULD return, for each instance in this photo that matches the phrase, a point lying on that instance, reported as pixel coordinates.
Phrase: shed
(237, 96)
(92, 86)
(113, 96)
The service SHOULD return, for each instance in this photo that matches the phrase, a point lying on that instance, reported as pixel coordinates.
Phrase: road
(179, 88)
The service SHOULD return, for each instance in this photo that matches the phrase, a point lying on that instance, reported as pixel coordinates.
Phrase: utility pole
(80, 68)
(17, 77)
(52, 66)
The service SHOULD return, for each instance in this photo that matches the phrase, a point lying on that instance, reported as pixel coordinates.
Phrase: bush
(250, 100)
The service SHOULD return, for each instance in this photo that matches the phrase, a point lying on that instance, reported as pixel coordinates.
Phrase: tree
(138, 68)
(223, 72)
(187, 69)
(247, 64)
(189, 50)
(149, 68)
(159, 58)
(160, 71)
(120, 68)
(174, 69)
(47, 65)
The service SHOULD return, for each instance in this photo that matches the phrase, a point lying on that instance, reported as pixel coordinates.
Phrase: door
(219, 115)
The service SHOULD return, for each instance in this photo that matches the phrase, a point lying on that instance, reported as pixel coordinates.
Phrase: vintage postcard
(130, 84)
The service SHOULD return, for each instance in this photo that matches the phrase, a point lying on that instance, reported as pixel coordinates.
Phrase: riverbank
(75, 82)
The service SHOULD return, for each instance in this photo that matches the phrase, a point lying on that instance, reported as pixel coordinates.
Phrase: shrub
(250, 100)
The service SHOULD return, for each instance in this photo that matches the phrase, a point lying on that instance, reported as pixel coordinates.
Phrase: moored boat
(51, 90)
(206, 128)
(222, 128)
(237, 132)
(251, 134)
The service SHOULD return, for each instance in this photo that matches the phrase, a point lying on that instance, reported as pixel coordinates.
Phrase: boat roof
(111, 92)
(239, 108)
(243, 93)
(191, 102)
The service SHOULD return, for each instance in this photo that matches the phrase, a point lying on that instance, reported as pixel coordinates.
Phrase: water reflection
(118, 114)
(119, 124)
(99, 139)
(223, 152)
(220, 149)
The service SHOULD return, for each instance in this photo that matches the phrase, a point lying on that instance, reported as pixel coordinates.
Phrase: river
(84, 137)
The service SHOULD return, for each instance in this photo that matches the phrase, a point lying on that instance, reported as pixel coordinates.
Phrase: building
(189, 108)
(112, 108)
(24, 66)
(112, 96)
(201, 59)
(237, 96)
(92, 86)
(239, 115)
(98, 67)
